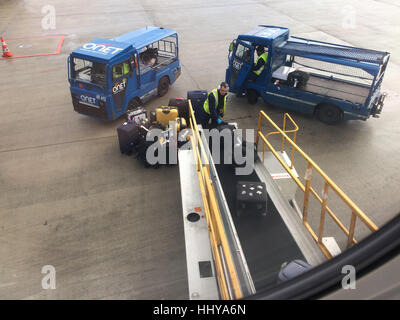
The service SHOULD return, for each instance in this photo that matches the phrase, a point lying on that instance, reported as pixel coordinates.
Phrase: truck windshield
(89, 71)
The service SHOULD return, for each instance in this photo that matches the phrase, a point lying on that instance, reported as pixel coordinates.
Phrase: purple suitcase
(128, 136)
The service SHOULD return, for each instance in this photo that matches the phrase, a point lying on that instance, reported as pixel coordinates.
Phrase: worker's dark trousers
(204, 120)
(252, 77)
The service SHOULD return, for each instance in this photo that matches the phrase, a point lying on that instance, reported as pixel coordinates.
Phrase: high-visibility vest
(115, 74)
(125, 70)
(206, 107)
(264, 56)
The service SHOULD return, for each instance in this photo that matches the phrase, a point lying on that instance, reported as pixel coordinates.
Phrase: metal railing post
(292, 160)
(284, 130)
(352, 229)
(307, 191)
(323, 211)
(258, 128)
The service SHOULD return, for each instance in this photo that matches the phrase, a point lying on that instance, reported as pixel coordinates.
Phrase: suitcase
(142, 150)
(166, 114)
(251, 197)
(137, 115)
(293, 269)
(180, 124)
(197, 98)
(245, 153)
(242, 145)
(182, 105)
(128, 136)
(153, 117)
(164, 146)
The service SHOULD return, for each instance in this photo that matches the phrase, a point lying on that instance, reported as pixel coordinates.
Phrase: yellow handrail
(307, 189)
(228, 279)
(296, 128)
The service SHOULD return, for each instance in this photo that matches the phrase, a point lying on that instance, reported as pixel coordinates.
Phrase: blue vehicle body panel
(281, 47)
(142, 37)
(110, 101)
(102, 49)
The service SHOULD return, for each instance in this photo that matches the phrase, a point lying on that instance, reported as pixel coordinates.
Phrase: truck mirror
(231, 46)
(132, 62)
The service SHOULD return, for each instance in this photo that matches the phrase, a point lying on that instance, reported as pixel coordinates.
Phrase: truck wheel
(329, 114)
(252, 96)
(163, 86)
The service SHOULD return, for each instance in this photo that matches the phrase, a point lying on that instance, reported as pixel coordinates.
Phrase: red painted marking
(60, 43)
(197, 209)
(39, 54)
(48, 70)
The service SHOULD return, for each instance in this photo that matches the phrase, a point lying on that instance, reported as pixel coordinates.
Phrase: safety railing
(307, 189)
(294, 131)
(226, 273)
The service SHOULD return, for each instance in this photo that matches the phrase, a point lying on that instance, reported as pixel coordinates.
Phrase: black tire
(163, 86)
(329, 114)
(252, 96)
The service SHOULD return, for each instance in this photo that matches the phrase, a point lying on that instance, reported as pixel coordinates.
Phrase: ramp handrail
(226, 273)
(328, 184)
(296, 128)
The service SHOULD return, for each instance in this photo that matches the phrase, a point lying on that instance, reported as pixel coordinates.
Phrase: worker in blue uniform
(214, 107)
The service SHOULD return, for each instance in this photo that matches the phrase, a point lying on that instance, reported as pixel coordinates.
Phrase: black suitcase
(245, 153)
(251, 197)
(237, 142)
(164, 147)
(197, 97)
(182, 105)
(128, 136)
(153, 118)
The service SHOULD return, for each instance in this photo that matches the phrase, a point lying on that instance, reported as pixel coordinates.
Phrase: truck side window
(121, 69)
(243, 53)
(149, 56)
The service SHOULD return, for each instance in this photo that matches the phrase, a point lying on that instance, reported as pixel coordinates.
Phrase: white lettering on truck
(101, 48)
(88, 99)
(119, 86)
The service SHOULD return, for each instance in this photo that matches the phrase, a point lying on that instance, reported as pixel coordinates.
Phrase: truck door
(120, 78)
(241, 63)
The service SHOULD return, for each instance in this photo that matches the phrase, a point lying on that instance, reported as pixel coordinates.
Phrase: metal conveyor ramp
(231, 256)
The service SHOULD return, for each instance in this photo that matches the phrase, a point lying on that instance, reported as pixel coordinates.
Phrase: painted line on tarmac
(56, 144)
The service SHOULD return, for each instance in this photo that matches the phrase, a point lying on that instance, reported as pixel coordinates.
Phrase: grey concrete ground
(113, 229)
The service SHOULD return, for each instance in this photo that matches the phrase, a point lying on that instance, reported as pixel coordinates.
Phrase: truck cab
(332, 81)
(109, 77)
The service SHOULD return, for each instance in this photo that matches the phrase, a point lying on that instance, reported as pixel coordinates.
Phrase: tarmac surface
(111, 228)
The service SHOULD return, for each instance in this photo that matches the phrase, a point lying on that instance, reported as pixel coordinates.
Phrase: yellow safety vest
(206, 107)
(264, 56)
(125, 70)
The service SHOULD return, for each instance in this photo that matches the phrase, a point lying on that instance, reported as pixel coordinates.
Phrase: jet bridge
(230, 256)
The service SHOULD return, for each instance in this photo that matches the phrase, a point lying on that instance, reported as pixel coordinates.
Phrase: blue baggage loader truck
(109, 77)
(332, 81)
